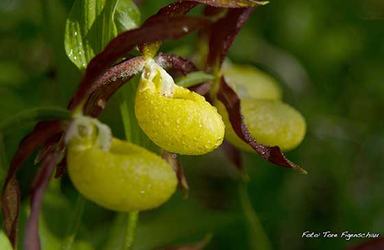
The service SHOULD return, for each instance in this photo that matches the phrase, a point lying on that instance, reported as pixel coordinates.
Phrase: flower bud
(173, 117)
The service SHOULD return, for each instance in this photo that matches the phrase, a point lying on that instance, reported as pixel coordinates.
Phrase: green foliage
(127, 15)
(91, 24)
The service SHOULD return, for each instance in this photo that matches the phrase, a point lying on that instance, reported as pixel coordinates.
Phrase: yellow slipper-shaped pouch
(175, 118)
(116, 174)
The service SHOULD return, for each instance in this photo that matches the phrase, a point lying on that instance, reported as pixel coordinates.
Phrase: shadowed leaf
(231, 102)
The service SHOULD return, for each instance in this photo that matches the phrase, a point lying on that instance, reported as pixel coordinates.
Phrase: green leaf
(91, 25)
(127, 15)
(193, 79)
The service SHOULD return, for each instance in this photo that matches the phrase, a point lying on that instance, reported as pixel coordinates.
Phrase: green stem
(132, 134)
(259, 239)
(131, 230)
(74, 225)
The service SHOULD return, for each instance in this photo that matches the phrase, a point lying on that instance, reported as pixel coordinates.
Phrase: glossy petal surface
(125, 178)
(177, 119)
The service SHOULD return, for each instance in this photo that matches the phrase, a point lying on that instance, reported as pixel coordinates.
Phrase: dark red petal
(32, 241)
(178, 8)
(107, 84)
(176, 63)
(231, 102)
(229, 3)
(211, 11)
(42, 133)
(223, 32)
(163, 29)
(376, 244)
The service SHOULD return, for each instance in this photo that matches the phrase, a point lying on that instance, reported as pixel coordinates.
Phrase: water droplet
(185, 29)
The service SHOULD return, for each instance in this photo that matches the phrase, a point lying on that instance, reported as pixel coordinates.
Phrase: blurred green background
(329, 56)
